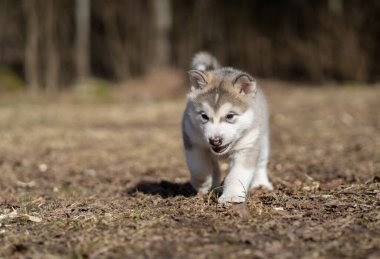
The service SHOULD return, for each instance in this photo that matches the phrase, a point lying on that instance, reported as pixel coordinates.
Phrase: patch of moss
(10, 81)
(93, 88)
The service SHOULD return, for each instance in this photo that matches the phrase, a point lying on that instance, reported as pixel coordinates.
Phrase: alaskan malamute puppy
(226, 116)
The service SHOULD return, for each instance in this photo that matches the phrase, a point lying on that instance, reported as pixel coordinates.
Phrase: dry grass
(108, 179)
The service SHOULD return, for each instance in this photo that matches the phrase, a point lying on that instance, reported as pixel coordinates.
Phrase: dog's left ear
(197, 79)
(245, 84)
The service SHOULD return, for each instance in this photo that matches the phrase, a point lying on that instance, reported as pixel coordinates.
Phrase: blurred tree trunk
(31, 49)
(52, 54)
(83, 28)
(115, 44)
(162, 19)
(335, 6)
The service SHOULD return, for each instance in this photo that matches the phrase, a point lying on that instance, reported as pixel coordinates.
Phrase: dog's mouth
(220, 149)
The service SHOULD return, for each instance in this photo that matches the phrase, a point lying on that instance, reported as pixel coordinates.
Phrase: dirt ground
(107, 178)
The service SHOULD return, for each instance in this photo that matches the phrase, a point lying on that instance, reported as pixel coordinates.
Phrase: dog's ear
(245, 84)
(197, 79)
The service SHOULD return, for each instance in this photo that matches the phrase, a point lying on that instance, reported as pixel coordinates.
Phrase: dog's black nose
(216, 142)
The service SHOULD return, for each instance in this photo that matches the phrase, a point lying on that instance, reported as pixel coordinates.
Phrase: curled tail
(204, 61)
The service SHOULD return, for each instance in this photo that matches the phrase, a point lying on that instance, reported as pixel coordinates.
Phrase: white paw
(231, 199)
(265, 184)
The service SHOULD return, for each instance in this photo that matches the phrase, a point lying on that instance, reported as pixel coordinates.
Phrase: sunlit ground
(97, 177)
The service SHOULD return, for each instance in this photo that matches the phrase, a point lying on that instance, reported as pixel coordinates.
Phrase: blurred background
(50, 45)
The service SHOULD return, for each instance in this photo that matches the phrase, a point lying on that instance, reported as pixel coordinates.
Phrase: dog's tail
(204, 61)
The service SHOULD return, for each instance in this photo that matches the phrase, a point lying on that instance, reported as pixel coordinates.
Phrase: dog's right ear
(197, 79)
(245, 84)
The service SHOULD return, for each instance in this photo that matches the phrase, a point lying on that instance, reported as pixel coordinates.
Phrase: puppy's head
(220, 105)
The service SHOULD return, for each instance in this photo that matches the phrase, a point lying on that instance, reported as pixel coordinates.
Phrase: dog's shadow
(165, 189)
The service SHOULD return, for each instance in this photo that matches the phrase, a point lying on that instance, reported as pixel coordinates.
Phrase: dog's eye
(204, 117)
(230, 116)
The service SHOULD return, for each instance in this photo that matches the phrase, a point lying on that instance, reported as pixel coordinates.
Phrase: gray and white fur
(204, 61)
(226, 116)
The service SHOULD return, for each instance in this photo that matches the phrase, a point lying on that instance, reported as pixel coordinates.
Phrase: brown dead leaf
(306, 205)
(241, 210)
(290, 205)
(311, 187)
(336, 203)
(331, 185)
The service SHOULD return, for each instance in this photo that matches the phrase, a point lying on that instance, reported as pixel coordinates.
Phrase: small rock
(42, 168)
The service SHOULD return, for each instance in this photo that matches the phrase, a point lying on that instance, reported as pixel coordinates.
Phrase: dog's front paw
(231, 199)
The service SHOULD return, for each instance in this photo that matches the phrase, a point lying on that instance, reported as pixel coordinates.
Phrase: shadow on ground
(163, 188)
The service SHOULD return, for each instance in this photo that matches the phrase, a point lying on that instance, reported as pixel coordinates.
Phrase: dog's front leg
(237, 182)
(204, 170)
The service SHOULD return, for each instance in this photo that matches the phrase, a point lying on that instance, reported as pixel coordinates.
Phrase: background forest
(50, 44)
